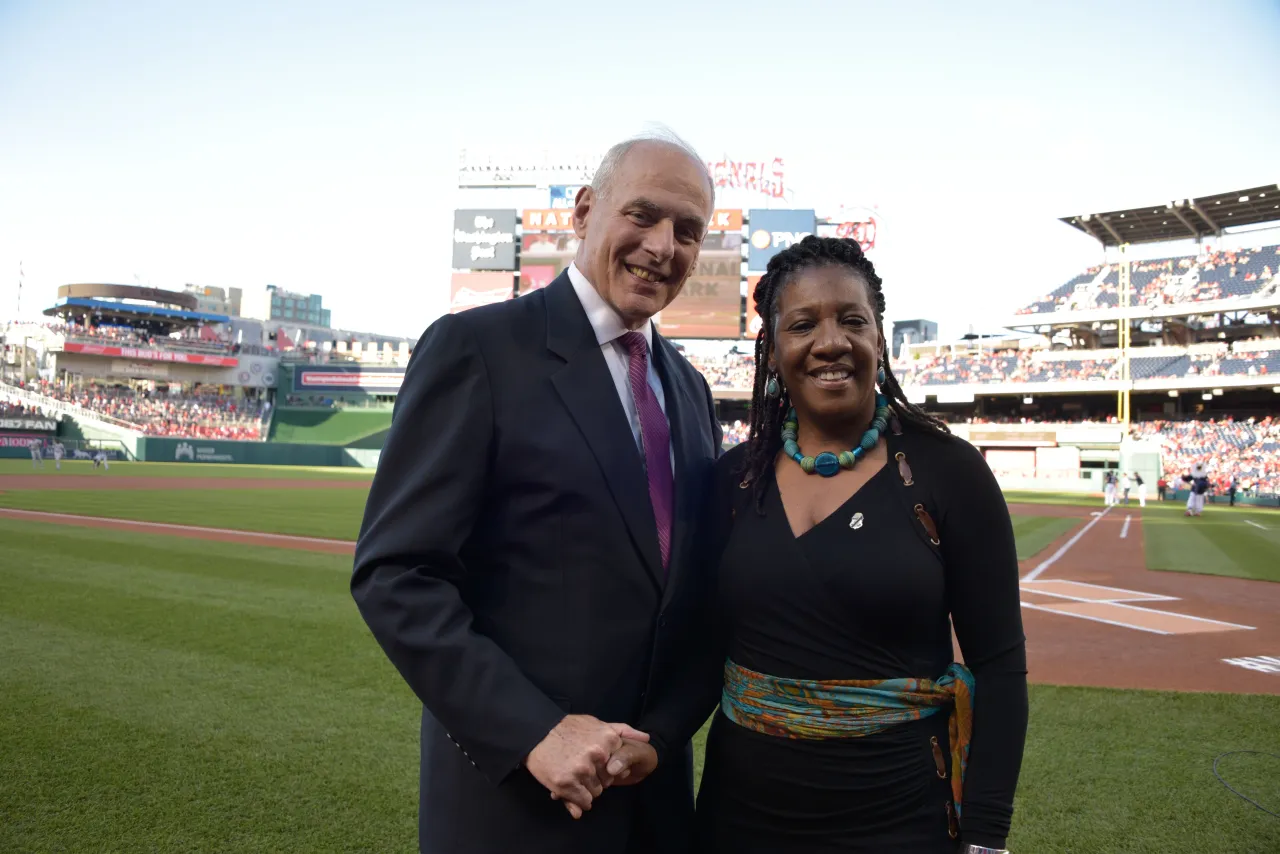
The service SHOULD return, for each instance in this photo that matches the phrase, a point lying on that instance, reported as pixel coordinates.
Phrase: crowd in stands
(197, 414)
(1246, 453)
(1031, 366)
(204, 339)
(735, 433)
(1212, 275)
(19, 410)
(999, 366)
(729, 372)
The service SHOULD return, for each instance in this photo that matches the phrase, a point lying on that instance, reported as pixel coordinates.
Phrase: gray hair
(608, 169)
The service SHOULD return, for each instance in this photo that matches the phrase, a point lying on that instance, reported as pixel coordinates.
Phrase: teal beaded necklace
(826, 463)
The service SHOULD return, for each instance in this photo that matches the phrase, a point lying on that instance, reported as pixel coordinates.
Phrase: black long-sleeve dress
(870, 602)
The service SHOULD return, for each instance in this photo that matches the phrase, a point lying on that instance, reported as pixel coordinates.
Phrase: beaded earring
(771, 387)
(880, 376)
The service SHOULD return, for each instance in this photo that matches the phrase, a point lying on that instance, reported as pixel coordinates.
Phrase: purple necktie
(656, 438)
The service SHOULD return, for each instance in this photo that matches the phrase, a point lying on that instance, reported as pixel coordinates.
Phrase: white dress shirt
(609, 330)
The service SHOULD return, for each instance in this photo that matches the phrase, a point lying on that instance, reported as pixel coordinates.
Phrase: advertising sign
(153, 355)
(520, 167)
(775, 230)
(861, 224)
(725, 220)
(27, 422)
(348, 378)
(484, 240)
(543, 256)
(1014, 438)
(534, 277)
(547, 220)
(468, 290)
(564, 195)
(710, 305)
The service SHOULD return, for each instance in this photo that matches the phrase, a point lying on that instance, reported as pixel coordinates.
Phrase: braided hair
(768, 413)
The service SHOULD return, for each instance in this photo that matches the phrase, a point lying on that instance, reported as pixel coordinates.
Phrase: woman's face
(827, 346)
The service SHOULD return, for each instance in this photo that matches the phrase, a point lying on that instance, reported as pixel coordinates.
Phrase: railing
(52, 404)
(160, 343)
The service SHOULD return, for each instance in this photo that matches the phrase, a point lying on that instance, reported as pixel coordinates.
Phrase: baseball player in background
(1124, 487)
(100, 459)
(1109, 489)
(1142, 489)
(58, 453)
(37, 453)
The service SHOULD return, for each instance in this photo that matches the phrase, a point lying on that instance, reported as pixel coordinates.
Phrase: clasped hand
(583, 756)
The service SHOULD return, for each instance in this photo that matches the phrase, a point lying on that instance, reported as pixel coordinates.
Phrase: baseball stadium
(183, 474)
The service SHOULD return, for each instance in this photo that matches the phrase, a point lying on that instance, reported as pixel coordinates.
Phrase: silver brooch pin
(856, 521)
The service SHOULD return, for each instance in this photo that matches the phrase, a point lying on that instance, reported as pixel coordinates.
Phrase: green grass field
(328, 426)
(162, 694)
(1239, 542)
(1033, 533)
(1233, 541)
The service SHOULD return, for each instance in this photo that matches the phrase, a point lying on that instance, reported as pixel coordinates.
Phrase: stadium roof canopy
(127, 310)
(1181, 219)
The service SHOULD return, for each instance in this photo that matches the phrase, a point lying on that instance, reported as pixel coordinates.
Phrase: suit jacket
(509, 566)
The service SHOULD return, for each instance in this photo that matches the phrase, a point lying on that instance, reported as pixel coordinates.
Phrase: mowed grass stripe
(328, 513)
(1218, 543)
(185, 470)
(1033, 534)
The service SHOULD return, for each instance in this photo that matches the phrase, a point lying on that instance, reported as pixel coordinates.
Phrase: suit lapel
(681, 412)
(586, 387)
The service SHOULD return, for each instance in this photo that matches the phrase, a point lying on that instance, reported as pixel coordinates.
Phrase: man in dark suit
(529, 558)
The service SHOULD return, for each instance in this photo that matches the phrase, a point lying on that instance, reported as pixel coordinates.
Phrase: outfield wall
(165, 450)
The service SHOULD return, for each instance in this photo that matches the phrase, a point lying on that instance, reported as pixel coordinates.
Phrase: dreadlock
(767, 413)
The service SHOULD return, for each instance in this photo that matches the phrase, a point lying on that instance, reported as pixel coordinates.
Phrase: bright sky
(313, 145)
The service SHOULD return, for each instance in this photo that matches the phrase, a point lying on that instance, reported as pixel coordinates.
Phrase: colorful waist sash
(850, 708)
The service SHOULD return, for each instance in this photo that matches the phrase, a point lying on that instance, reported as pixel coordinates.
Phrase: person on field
(37, 453)
(853, 532)
(58, 453)
(1124, 487)
(1109, 489)
(1197, 485)
(1142, 489)
(539, 587)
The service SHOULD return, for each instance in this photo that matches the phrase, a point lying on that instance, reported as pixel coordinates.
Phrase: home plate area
(1116, 606)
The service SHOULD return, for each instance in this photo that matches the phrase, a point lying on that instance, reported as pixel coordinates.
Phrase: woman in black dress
(842, 574)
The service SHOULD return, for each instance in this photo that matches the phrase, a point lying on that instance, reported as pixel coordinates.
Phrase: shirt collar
(604, 318)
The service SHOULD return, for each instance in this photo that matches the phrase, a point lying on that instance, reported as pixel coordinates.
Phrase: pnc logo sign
(775, 230)
(780, 239)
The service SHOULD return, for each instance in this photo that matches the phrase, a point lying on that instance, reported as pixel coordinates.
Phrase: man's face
(640, 241)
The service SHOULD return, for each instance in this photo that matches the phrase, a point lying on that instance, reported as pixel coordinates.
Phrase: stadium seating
(731, 372)
(1228, 274)
(197, 415)
(1248, 451)
(192, 341)
(1040, 366)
